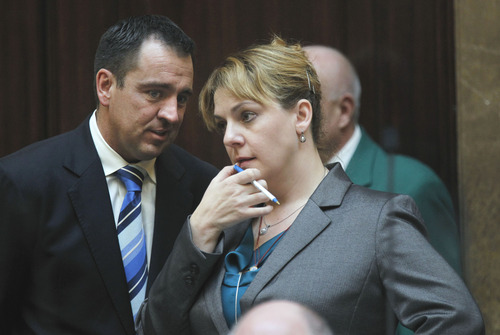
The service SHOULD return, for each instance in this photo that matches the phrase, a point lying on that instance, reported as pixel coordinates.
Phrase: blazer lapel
(90, 198)
(212, 292)
(300, 234)
(360, 168)
(213, 299)
(307, 226)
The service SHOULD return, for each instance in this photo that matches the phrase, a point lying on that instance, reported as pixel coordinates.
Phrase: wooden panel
(403, 50)
(22, 72)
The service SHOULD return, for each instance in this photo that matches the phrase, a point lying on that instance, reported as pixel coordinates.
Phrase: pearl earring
(302, 138)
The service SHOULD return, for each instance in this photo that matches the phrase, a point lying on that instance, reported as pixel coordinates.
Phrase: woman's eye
(221, 127)
(248, 116)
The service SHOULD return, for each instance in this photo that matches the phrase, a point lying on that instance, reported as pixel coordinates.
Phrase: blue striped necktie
(131, 236)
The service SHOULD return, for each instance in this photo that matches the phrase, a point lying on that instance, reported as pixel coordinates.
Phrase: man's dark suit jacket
(60, 263)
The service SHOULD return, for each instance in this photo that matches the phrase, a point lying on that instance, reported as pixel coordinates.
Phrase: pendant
(263, 230)
(253, 268)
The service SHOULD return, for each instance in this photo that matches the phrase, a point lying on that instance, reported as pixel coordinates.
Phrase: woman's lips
(242, 162)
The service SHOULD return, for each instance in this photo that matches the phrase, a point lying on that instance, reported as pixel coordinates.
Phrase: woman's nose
(232, 136)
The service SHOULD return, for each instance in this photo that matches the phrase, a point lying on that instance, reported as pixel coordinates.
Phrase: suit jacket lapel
(300, 234)
(172, 203)
(90, 198)
(213, 298)
(360, 168)
(212, 292)
(306, 227)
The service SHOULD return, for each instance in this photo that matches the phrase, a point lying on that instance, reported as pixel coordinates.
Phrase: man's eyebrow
(155, 84)
(187, 91)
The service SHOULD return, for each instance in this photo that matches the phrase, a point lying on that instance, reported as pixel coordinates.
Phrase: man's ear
(104, 82)
(347, 107)
(304, 116)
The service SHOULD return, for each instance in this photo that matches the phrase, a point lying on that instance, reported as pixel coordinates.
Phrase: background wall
(478, 88)
(403, 49)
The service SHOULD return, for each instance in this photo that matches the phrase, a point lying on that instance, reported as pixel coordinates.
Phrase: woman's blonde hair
(269, 73)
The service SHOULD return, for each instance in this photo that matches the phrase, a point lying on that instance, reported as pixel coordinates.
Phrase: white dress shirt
(345, 154)
(111, 162)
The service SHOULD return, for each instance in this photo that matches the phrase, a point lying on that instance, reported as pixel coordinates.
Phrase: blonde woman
(343, 251)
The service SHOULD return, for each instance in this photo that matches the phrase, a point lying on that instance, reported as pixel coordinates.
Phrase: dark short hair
(119, 46)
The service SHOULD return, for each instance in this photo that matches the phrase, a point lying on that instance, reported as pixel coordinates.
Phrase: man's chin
(152, 151)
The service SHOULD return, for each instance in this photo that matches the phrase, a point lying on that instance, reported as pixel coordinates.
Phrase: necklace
(258, 259)
(263, 230)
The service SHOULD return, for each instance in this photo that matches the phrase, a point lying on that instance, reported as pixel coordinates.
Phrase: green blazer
(369, 167)
(372, 167)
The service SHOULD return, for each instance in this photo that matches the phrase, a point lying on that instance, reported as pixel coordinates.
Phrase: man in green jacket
(367, 164)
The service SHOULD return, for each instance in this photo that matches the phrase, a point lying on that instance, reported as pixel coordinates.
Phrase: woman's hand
(230, 198)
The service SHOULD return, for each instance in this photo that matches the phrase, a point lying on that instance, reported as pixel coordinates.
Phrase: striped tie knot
(132, 177)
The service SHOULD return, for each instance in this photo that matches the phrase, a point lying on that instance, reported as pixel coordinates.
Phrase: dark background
(402, 49)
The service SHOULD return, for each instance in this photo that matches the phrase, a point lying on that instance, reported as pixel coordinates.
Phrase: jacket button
(194, 269)
(189, 280)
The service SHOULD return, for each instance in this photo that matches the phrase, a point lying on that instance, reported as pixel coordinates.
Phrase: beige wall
(478, 120)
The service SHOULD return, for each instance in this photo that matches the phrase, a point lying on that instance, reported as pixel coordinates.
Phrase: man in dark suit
(367, 164)
(61, 268)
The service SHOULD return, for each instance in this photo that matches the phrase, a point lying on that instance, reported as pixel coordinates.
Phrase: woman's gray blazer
(351, 254)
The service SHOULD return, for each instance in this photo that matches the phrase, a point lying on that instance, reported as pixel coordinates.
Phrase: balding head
(281, 317)
(341, 92)
(336, 73)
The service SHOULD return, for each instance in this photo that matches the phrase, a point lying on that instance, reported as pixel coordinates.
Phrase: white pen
(260, 187)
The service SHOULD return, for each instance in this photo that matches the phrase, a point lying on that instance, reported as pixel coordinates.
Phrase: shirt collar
(347, 151)
(111, 161)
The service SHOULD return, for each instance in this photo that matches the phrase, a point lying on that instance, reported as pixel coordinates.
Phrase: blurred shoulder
(190, 162)
(413, 177)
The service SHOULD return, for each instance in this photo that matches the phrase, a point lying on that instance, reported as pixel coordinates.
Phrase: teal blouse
(241, 269)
